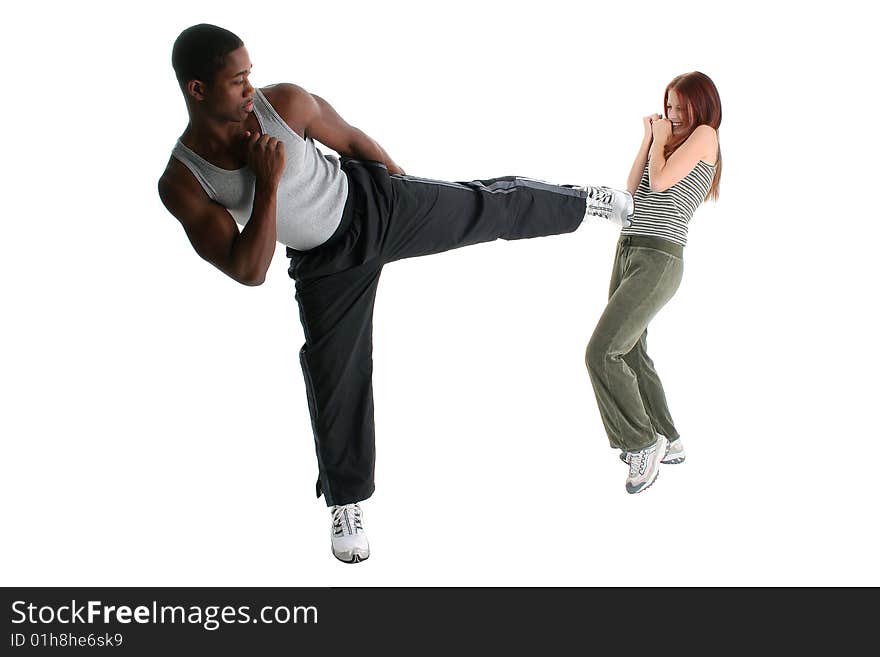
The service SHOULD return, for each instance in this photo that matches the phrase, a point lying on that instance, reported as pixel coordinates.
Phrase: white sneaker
(347, 536)
(644, 466)
(674, 453)
(613, 204)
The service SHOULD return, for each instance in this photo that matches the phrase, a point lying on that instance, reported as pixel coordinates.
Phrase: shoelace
(353, 518)
(599, 194)
(638, 461)
(357, 517)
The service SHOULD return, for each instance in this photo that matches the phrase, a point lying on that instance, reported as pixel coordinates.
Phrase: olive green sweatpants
(647, 272)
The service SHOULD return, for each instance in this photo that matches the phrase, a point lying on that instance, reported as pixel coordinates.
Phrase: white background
(154, 421)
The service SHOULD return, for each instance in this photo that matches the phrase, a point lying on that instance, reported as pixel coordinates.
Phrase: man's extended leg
(411, 216)
(431, 216)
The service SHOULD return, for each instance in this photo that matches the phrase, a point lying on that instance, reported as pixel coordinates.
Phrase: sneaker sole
(646, 487)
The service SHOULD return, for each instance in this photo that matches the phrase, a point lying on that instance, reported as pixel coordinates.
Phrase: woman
(677, 167)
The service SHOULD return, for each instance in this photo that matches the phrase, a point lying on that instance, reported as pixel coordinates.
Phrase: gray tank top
(311, 193)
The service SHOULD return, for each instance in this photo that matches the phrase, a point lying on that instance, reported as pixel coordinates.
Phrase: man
(248, 157)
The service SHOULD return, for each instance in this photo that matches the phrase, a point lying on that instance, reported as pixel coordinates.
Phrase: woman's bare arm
(638, 167)
(663, 173)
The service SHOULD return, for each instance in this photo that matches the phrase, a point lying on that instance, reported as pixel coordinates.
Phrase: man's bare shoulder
(293, 103)
(284, 92)
(181, 193)
(176, 182)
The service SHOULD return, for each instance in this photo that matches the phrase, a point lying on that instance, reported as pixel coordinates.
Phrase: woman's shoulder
(707, 139)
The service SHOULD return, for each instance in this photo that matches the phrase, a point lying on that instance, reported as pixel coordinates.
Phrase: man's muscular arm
(243, 256)
(321, 122)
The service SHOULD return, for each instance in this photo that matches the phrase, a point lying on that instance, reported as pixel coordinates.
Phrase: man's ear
(196, 89)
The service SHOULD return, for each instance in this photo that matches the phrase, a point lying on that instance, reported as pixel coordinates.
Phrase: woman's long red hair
(699, 97)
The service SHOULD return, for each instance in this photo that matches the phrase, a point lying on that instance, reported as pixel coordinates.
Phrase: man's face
(230, 95)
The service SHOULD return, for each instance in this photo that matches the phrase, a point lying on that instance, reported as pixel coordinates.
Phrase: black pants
(388, 218)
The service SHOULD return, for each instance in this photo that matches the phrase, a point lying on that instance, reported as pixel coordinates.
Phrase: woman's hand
(661, 129)
(647, 121)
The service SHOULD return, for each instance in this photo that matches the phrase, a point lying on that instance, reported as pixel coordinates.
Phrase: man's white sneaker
(674, 453)
(613, 204)
(347, 536)
(644, 466)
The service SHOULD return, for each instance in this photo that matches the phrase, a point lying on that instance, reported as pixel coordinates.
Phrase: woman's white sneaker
(674, 453)
(644, 466)
(347, 537)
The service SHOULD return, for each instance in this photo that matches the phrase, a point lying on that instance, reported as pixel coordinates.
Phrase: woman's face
(676, 113)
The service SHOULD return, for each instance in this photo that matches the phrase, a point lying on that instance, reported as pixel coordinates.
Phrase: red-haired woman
(677, 167)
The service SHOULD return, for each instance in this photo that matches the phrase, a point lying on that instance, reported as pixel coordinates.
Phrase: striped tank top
(666, 214)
